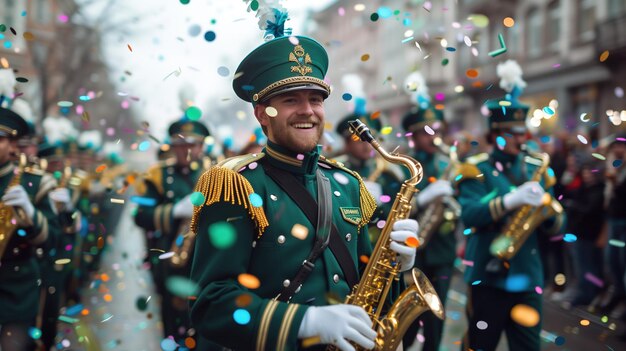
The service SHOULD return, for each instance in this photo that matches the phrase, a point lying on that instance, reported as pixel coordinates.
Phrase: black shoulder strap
(300, 195)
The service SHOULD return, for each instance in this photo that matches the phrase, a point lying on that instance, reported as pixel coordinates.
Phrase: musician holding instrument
(505, 196)
(164, 213)
(282, 234)
(437, 211)
(26, 220)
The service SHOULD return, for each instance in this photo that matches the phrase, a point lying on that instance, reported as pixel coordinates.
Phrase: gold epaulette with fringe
(154, 175)
(367, 201)
(469, 170)
(222, 182)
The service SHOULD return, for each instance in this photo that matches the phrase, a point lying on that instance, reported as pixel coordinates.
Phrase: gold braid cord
(223, 184)
(367, 201)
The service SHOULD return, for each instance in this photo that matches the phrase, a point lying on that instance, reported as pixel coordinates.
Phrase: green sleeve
(225, 311)
(480, 206)
(156, 217)
(46, 228)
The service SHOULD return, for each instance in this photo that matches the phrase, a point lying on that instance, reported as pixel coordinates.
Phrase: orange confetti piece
(299, 231)
(432, 179)
(108, 298)
(375, 115)
(131, 178)
(243, 300)
(508, 22)
(584, 322)
(525, 315)
(249, 281)
(412, 242)
(440, 107)
(84, 312)
(471, 73)
(100, 168)
(104, 277)
(190, 343)
(130, 48)
(100, 242)
(478, 84)
(355, 137)
(604, 55)
(364, 258)
(365, 57)
(29, 36)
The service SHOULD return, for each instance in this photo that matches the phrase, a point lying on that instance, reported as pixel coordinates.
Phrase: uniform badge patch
(352, 214)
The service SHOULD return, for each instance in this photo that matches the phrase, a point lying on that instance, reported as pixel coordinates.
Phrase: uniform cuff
(278, 329)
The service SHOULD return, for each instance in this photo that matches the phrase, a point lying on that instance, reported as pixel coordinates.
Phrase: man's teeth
(303, 125)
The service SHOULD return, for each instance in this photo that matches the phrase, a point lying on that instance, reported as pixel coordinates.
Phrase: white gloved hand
(433, 191)
(16, 196)
(404, 229)
(337, 324)
(183, 208)
(375, 189)
(529, 193)
(62, 196)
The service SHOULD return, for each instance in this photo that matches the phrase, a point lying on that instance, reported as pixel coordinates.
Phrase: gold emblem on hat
(429, 115)
(187, 127)
(302, 59)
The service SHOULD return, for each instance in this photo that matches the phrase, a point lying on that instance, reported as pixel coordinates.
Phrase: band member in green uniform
(424, 126)
(504, 295)
(165, 213)
(252, 237)
(27, 221)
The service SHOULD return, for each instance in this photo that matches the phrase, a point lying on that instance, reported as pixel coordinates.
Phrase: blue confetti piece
(74, 310)
(517, 283)
(476, 282)
(406, 40)
(467, 231)
(256, 200)
(570, 238)
(550, 172)
(501, 141)
(547, 110)
(545, 139)
(451, 49)
(84, 98)
(179, 240)
(241, 316)
(143, 201)
(346, 97)
(34, 333)
(458, 177)
(407, 22)
(7, 44)
(144, 145)
(168, 344)
(559, 340)
(617, 163)
(209, 36)
(24, 13)
(384, 12)
(21, 232)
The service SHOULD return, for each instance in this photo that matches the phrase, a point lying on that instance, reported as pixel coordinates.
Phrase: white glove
(375, 189)
(433, 191)
(183, 208)
(404, 229)
(62, 196)
(16, 196)
(529, 193)
(337, 324)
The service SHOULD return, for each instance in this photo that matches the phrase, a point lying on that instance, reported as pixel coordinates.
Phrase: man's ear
(261, 115)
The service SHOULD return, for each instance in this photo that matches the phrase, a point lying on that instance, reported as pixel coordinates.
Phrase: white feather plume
(7, 82)
(266, 12)
(59, 129)
(90, 138)
(415, 85)
(510, 74)
(23, 109)
(353, 84)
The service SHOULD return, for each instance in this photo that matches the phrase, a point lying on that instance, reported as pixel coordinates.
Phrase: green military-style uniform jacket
(271, 237)
(20, 277)
(164, 185)
(441, 248)
(386, 174)
(481, 190)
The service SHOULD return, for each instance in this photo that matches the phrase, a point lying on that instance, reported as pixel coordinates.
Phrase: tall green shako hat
(283, 63)
(422, 112)
(508, 112)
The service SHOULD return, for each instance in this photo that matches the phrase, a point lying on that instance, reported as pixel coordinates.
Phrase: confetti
(429, 130)
(482, 325)
(508, 22)
(299, 231)
(256, 200)
(560, 279)
(197, 198)
(584, 322)
(598, 156)
(604, 56)
(222, 234)
(143, 201)
(62, 261)
(471, 73)
(412, 242)
(181, 286)
(190, 343)
(193, 113)
(480, 21)
(249, 281)
(476, 282)
(209, 36)
(584, 117)
(346, 97)
(271, 111)
(525, 315)
(559, 340)
(365, 57)
(570, 238)
(594, 280)
(241, 316)
(34, 333)
(168, 344)
(500, 51)
(130, 47)
(142, 303)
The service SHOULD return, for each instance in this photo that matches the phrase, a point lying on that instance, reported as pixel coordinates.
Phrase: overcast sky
(169, 50)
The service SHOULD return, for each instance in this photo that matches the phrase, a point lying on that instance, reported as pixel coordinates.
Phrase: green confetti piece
(181, 286)
(598, 156)
(197, 198)
(222, 235)
(193, 113)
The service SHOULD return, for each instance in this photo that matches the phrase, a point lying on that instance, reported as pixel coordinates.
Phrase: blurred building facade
(558, 43)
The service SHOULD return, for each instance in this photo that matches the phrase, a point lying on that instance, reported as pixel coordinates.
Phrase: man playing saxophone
(503, 295)
(423, 125)
(250, 292)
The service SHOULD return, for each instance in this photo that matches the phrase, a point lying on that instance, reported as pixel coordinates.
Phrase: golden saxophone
(382, 268)
(441, 208)
(8, 224)
(527, 218)
(182, 246)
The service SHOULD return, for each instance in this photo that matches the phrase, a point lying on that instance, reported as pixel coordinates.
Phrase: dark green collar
(6, 169)
(300, 163)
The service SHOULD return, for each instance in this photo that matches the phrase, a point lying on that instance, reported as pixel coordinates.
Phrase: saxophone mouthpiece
(360, 129)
